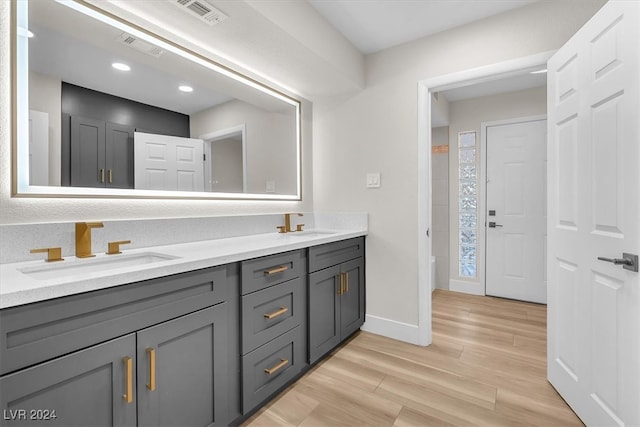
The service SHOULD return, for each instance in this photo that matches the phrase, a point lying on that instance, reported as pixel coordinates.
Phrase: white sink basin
(309, 233)
(92, 265)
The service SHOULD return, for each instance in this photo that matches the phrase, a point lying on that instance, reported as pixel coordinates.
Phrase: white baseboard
(473, 288)
(391, 329)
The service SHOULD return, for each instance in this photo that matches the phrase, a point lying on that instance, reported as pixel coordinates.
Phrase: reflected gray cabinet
(336, 294)
(101, 154)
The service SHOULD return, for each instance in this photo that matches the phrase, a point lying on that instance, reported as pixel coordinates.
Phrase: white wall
(376, 131)
(270, 156)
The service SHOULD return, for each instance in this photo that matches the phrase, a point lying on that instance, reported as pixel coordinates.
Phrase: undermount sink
(309, 233)
(92, 265)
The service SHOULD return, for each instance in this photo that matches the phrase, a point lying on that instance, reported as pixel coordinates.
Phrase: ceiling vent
(203, 9)
(140, 45)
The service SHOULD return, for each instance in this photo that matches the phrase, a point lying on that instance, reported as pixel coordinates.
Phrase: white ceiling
(374, 25)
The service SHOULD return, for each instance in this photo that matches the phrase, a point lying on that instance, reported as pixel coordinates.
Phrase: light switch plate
(373, 180)
(271, 187)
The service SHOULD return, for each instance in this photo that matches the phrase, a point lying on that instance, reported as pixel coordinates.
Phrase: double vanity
(193, 333)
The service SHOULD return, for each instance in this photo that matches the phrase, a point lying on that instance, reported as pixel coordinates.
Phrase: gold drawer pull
(151, 353)
(276, 270)
(277, 313)
(128, 364)
(283, 363)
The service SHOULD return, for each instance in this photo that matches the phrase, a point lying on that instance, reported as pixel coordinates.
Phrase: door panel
(516, 164)
(324, 314)
(594, 138)
(84, 388)
(168, 162)
(87, 152)
(352, 300)
(188, 386)
(119, 155)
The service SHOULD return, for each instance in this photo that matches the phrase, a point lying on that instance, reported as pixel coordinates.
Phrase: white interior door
(594, 187)
(516, 210)
(38, 148)
(165, 162)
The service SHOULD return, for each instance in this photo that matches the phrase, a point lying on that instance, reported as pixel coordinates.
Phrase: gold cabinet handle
(102, 176)
(114, 247)
(53, 254)
(110, 176)
(276, 270)
(277, 313)
(128, 364)
(283, 363)
(151, 354)
(346, 275)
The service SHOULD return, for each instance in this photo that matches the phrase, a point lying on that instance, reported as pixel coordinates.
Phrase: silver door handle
(494, 225)
(628, 261)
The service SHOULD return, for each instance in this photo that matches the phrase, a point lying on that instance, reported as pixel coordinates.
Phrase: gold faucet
(83, 238)
(286, 228)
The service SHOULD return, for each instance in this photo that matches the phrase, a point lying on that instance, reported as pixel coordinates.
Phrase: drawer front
(260, 273)
(270, 312)
(37, 332)
(324, 256)
(270, 367)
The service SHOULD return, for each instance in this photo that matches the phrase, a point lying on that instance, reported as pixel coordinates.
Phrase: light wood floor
(486, 366)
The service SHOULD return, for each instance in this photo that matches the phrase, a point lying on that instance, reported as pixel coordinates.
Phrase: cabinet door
(119, 155)
(85, 388)
(352, 299)
(87, 152)
(182, 370)
(324, 312)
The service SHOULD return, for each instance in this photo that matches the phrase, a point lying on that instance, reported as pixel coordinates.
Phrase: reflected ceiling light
(185, 88)
(120, 66)
(30, 34)
(539, 71)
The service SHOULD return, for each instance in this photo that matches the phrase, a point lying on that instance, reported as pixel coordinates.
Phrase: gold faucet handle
(281, 229)
(53, 254)
(114, 247)
(299, 227)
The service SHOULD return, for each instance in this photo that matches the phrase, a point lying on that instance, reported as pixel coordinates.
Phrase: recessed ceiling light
(120, 66)
(539, 71)
(30, 34)
(185, 88)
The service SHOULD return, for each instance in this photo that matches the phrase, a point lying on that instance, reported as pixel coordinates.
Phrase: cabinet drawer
(270, 367)
(260, 273)
(270, 312)
(37, 332)
(324, 256)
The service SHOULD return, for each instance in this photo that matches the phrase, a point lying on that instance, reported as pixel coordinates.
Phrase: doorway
(426, 90)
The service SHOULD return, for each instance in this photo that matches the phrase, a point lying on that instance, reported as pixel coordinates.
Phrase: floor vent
(202, 9)
(140, 45)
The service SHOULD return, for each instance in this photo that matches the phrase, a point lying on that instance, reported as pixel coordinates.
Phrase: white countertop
(18, 288)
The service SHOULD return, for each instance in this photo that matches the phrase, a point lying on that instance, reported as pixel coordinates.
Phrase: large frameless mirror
(107, 109)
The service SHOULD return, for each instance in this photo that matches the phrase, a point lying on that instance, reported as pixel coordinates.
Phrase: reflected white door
(517, 210)
(38, 148)
(165, 162)
(594, 187)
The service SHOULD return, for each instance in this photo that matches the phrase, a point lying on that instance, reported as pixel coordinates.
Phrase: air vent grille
(140, 45)
(203, 9)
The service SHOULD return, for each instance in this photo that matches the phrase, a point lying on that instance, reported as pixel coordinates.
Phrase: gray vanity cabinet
(82, 389)
(182, 380)
(273, 324)
(150, 353)
(336, 294)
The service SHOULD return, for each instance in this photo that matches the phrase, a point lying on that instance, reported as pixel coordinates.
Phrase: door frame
(482, 189)
(210, 138)
(426, 88)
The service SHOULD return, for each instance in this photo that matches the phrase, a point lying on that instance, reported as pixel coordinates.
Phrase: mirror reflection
(112, 107)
